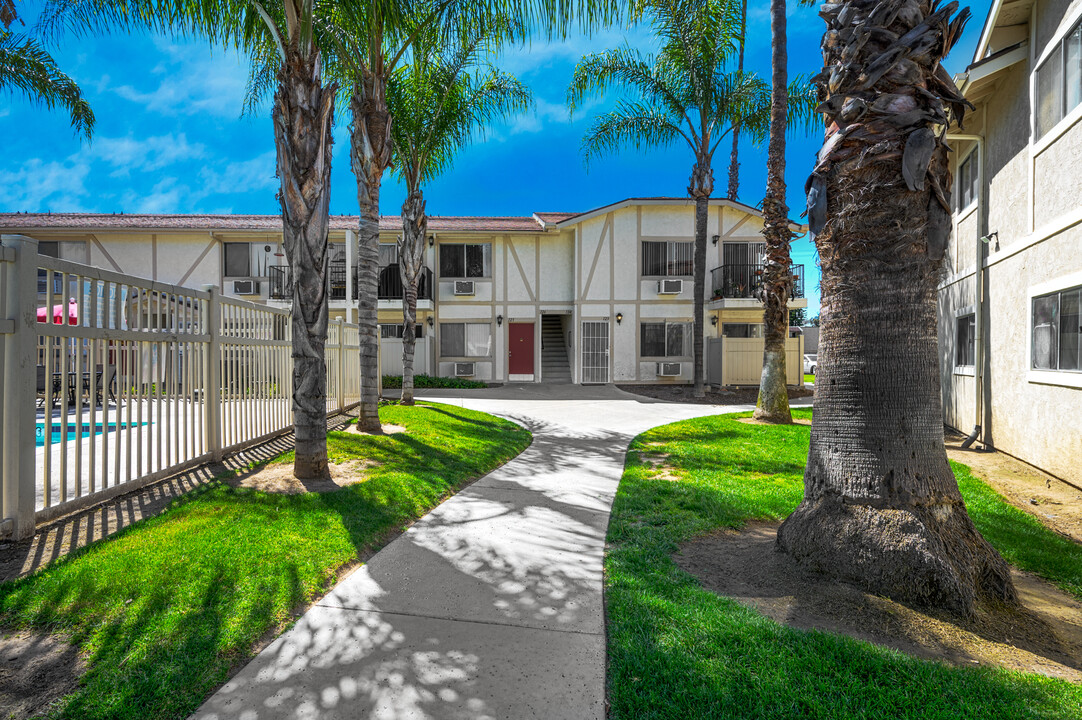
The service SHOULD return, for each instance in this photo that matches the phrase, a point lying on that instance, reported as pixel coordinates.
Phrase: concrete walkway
(491, 605)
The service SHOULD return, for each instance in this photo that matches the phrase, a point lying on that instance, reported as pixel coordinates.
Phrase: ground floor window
(964, 336)
(665, 339)
(1057, 330)
(742, 330)
(398, 331)
(465, 339)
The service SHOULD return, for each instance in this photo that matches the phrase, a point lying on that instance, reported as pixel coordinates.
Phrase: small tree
(682, 93)
(438, 105)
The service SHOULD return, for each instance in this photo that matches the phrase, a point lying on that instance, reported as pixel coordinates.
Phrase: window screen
(388, 254)
(465, 339)
(399, 331)
(964, 355)
(1050, 92)
(667, 259)
(466, 261)
(238, 259)
(742, 330)
(968, 177)
(665, 340)
(1057, 331)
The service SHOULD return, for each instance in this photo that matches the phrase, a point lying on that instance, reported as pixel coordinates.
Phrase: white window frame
(464, 323)
(960, 313)
(491, 260)
(971, 206)
(1063, 378)
(689, 329)
(1038, 145)
(669, 243)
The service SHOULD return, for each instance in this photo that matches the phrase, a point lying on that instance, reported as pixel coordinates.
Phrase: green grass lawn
(167, 607)
(679, 651)
(809, 378)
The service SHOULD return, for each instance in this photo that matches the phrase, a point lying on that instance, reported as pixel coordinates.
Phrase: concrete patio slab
(491, 606)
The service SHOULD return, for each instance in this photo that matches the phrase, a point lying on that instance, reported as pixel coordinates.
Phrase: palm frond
(26, 67)
(630, 123)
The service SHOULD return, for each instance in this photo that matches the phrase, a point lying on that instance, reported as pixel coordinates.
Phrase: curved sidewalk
(491, 606)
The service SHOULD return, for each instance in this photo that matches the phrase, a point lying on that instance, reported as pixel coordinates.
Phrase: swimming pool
(77, 431)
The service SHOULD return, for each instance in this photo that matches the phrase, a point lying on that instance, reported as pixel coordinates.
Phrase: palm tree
(773, 402)
(27, 68)
(303, 115)
(684, 92)
(734, 155)
(438, 106)
(881, 506)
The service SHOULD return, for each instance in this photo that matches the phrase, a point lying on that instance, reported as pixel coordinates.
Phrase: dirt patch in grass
(1054, 502)
(1044, 636)
(35, 672)
(278, 478)
(684, 394)
(385, 429)
(753, 421)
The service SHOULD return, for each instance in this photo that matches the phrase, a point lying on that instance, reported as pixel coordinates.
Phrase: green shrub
(421, 382)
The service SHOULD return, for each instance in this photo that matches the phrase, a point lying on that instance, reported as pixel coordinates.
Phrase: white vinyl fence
(111, 381)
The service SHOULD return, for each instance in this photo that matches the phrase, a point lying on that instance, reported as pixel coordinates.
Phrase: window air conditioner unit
(670, 287)
(463, 369)
(245, 287)
(463, 287)
(668, 369)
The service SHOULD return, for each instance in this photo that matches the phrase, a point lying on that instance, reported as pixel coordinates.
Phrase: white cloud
(151, 153)
(241, 176)
(37, 185)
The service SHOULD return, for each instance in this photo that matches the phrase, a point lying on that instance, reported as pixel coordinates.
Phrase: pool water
(75, 430)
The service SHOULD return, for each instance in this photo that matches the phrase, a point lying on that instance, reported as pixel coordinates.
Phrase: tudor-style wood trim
(521, 272)
(198, 260)
(597, 255)
(105, 253)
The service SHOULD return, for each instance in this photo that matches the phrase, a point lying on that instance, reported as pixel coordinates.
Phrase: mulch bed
(1042, 636)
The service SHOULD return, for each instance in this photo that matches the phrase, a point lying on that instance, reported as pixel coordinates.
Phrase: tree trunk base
(931, 555)
(369, 424)
(310, 468)
(777, 418)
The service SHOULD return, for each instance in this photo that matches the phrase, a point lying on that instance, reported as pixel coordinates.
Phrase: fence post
(340, 381)
(18, 328)
(212, 402)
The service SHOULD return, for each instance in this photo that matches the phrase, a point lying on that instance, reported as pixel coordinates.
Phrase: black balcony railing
(746, 281)
(390, 283)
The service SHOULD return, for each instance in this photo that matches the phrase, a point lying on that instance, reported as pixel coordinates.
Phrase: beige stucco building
(596, 297)
(1009, 321)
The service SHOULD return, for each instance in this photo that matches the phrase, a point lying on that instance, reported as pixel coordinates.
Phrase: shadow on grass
(167, 608)
(677, 650)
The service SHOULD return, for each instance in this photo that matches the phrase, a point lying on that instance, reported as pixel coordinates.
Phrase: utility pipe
(978, 312)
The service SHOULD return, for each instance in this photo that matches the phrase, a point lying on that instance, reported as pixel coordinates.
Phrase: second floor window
(1059, 82)
(667, 259)
(466, 261)
(742, 330)
(238, 259)
(964, 336)
(968, 177)
(399, 331)
(1057, 330)
(665, 339)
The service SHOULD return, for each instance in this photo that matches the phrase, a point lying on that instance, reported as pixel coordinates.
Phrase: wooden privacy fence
(111, 381)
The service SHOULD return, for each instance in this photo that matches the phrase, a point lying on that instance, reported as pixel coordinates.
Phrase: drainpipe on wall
(978, 313)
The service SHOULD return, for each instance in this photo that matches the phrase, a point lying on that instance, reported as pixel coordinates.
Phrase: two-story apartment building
(596, 297)
(1009, 322)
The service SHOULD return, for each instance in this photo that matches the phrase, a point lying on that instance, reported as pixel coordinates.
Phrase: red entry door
(520, 348)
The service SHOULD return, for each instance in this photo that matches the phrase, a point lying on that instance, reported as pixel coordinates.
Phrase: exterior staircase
(554, 365)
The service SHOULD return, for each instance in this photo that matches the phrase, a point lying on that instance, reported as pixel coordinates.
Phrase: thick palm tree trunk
(881, 506)
(411, 260)
(303, 116)
(700, 187)
(370, 153)
(773, 403)
(734, 156)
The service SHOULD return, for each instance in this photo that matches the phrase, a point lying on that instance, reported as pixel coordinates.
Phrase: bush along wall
(421, 382)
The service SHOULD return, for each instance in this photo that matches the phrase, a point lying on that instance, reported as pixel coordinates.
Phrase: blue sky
(170, 137)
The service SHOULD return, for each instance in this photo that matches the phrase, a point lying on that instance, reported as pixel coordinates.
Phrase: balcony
(746, 281)
(390, 283)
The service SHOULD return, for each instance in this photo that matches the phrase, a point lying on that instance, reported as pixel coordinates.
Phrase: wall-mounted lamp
(431, 240)
(714, 320)
(430, 321)
(499, 320)
(988, 238)
(715, 239)
(619, 318)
